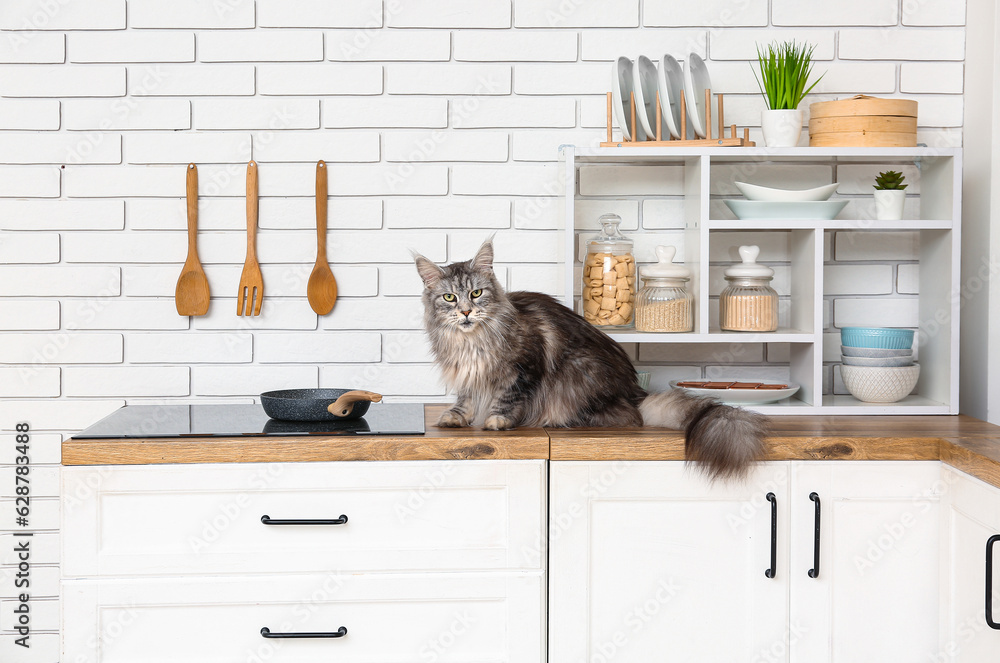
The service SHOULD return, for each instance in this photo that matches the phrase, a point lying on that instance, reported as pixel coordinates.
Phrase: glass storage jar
(664, 304)
(749, 303)
(609, 276)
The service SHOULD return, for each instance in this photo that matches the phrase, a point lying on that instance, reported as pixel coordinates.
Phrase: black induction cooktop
(148, 421)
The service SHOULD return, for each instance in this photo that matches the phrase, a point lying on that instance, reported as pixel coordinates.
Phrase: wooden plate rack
(708, 141)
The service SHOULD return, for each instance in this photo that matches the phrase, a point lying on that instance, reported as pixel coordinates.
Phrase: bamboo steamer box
(863, 121)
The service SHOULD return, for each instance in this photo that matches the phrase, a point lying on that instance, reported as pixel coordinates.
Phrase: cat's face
(461, 296)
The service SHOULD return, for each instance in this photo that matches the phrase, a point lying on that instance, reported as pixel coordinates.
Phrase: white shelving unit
(694, 174)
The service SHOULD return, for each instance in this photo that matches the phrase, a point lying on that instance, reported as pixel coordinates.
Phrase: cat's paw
(451, 419)
(499, 422)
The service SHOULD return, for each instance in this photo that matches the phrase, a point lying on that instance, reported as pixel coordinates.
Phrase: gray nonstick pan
(318, 404)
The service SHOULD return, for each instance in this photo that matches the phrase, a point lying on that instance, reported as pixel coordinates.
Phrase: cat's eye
(476, 293)
(448, 297)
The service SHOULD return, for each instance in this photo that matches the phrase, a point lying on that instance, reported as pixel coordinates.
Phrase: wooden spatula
(251, 280)
(192, 294)
(322, 287)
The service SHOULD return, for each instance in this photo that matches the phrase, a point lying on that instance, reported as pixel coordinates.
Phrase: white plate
(743, 396)
(670, 81)
(696, 81)
(644, 80)
(621, 91)
(767, 194)
(812, 209)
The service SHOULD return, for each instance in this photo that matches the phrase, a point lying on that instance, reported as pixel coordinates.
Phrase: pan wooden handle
(344, 405)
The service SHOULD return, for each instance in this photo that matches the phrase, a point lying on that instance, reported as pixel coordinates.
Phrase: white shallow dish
(743, 396)
(812, 209)
(877, 361)
(670, 79)
(696, 81)
(848, 351)
(644, 82)
(621, 91)
(768, 194)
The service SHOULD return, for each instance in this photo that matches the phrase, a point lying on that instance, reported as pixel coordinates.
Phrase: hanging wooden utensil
(192, 294)
(251, 280)
(322, 287)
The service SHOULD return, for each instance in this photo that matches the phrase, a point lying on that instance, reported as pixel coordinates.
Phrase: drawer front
(401, 516)
(388, 618)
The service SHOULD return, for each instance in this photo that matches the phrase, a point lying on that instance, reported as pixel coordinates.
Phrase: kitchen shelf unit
(696, 180)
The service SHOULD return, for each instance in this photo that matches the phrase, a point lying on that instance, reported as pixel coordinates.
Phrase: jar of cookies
(664, 303)
(609, 276)
(749, 303)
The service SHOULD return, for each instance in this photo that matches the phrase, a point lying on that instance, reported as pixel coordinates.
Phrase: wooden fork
(251, 280)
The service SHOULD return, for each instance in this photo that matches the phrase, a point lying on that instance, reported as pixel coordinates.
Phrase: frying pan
(317, 404)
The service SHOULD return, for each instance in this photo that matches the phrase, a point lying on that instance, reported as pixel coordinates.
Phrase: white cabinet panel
(451, 618)
(649, 561)
(876, 597)
(402, 516)
(973, 517)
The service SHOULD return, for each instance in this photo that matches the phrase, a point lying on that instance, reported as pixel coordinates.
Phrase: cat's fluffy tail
(724, 441)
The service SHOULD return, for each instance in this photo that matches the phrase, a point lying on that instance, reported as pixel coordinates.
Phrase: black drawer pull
(268, 520)
(339, 633)
(769, 573)
(989, 582)
(814, 571)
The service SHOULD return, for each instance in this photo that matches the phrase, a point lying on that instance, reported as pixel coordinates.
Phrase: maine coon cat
(523, 359)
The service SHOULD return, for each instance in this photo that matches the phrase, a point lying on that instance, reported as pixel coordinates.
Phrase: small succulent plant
(890, 180)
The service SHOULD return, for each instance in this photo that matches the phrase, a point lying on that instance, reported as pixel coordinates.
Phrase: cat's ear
(484, 257)
(429, 272)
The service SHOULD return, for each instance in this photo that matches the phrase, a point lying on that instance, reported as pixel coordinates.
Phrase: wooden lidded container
(863, 121)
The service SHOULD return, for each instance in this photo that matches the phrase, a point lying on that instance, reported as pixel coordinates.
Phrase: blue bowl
(877, 337)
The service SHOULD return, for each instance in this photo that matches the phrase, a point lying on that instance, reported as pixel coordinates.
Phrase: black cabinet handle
(989, 582)
(774, 534)
(339, 633)
(814, 571)
(268, 520)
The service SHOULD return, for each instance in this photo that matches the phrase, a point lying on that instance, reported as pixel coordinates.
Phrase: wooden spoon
(192, 294)
(344, 405)
(322, 287)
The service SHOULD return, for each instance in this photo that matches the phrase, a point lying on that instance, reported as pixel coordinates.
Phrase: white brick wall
(440, 120)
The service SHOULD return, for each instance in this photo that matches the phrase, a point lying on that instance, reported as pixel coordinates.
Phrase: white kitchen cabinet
(972, 517)
(401, 516)
(649, 562)
(876, 596)
(649, 557)
(450, 618)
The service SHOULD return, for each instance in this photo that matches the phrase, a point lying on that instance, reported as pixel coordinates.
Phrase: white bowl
(880, 385)
(767, 194)
(877, 361)
(849, 351)
(806, 209)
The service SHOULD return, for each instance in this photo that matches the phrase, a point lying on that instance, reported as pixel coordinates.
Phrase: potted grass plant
(889, 195)
(785, 69)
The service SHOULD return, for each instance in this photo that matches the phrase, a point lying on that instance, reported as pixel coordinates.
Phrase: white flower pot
(781, 127)
(889, 204)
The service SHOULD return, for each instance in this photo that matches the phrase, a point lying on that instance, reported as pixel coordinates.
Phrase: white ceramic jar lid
(749, 268)
(665, 267)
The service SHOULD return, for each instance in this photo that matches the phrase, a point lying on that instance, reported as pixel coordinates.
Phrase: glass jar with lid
(609, 276)
(749, 303)
(664, 304)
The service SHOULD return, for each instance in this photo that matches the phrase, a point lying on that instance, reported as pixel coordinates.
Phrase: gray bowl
(849, 351)
(884, 362)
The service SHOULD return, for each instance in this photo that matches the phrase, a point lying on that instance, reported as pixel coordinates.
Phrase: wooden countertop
(968, 444)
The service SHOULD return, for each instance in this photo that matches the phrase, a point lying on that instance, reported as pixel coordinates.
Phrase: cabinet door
(972, 517)
(876, 594)
(650, 562)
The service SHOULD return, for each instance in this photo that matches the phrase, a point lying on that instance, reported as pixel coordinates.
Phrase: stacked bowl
(877, 363)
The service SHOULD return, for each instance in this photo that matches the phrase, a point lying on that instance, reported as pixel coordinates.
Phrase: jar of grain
(749, 303)
(609, 276)
(664, 303)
